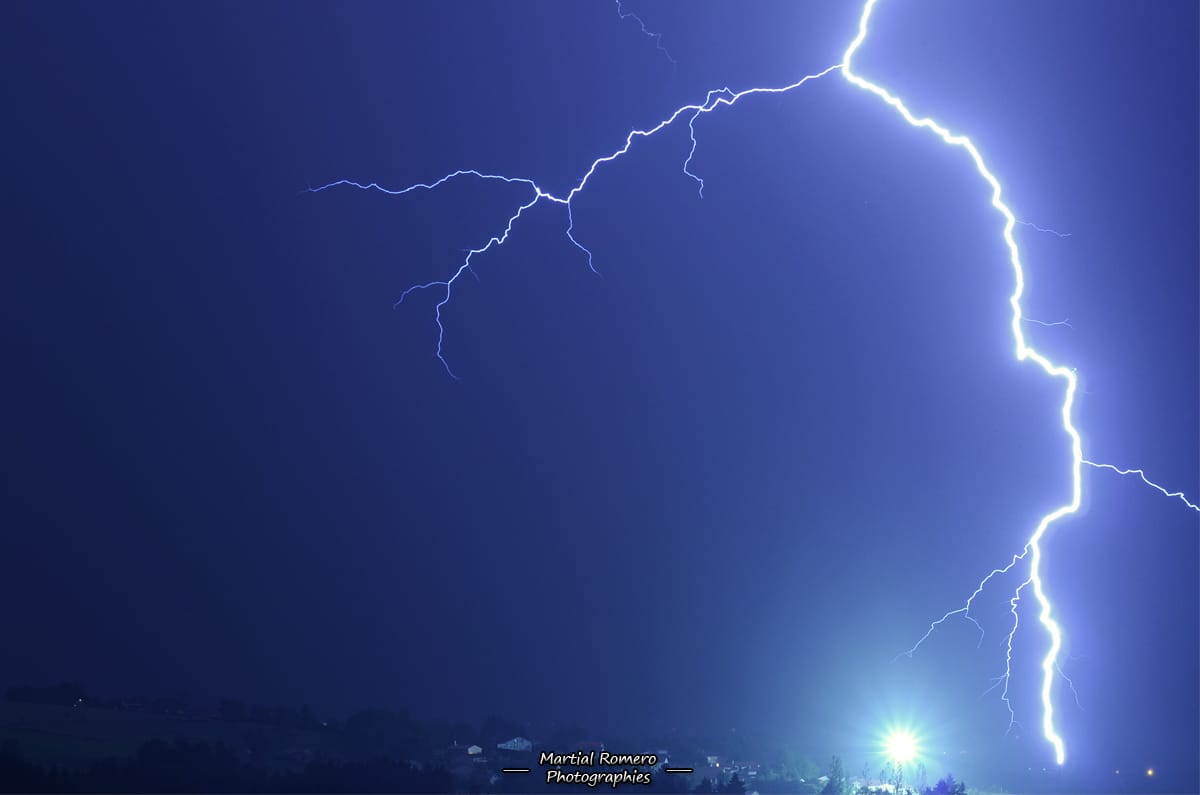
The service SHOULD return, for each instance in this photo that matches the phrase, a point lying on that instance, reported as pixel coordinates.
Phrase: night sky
(717, 488)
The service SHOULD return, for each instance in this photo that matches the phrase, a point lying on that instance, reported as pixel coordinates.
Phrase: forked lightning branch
(1027, 559)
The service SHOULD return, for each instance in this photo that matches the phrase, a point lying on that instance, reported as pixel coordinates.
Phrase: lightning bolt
(1031, 553)
(1024, 352)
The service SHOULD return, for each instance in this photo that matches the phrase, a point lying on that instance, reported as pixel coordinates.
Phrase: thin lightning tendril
(623, 14)
(1006, 678)
(1064, 322)
(1063, 235)
(1032, 550)
(1070, 684)
(714, 99)
(1147, 481)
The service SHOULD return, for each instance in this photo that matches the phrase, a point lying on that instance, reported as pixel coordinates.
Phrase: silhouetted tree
(837, 778)
(18, 774)
(371, 775)
(184, 767)
(735, 786)
(948, 786)
(666, 784)
(257, 743)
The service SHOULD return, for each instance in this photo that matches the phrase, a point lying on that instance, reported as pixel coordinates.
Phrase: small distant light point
(1149, 772)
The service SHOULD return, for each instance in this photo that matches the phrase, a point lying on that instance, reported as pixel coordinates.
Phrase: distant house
(472, 750)
(746, 770)
(516, 744)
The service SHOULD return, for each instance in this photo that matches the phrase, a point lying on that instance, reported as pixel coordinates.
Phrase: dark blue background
(717, 489)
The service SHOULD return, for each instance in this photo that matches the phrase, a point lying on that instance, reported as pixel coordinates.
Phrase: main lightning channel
(1024, 352)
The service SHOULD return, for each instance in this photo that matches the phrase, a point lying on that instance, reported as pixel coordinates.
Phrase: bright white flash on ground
(901, 746)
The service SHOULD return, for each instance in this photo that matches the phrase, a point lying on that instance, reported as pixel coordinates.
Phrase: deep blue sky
(718, 488)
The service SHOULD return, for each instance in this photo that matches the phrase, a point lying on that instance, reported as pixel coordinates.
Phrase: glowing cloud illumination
(899, 744)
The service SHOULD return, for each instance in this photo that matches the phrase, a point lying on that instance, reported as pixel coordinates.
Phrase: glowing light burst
(901, 746)
(1031, 553)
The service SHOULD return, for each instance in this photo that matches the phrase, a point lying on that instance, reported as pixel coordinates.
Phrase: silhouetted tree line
(733, 786)
(182, 767)
(945, 786)
(370, 750)
(63, 695)
(283, 717)
(72, 694)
